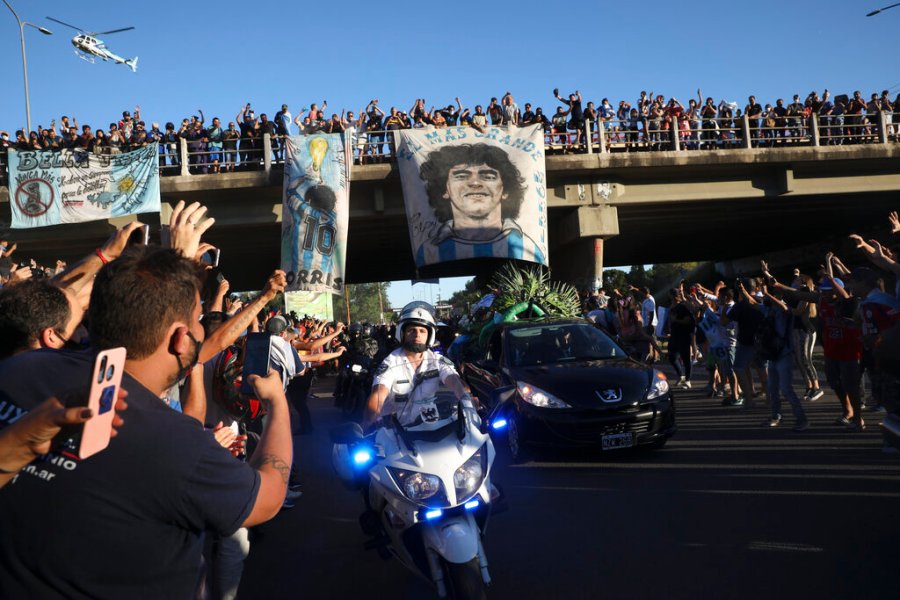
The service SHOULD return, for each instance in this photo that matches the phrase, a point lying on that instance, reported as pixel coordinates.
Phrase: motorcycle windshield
(418, 399)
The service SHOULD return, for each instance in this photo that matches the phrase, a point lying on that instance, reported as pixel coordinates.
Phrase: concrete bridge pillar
(580, 237)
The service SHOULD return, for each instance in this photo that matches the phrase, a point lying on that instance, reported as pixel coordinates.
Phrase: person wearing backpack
(773, 343)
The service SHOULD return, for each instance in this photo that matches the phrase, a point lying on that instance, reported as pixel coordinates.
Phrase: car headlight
(420, 487)
(538, 397)
(659, 386)
(468, 478)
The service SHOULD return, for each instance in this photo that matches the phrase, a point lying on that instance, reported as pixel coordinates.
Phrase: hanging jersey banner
(473, 194)
(315, 212)
(73, 186)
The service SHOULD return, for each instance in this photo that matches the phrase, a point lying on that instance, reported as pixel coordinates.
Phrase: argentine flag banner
(315, 212)
(473, 193)
(74, 186)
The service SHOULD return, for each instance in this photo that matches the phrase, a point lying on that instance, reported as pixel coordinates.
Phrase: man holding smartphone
(128, 521)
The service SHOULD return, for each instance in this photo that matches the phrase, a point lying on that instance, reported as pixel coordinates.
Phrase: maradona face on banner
(315, 212)
(470, 194)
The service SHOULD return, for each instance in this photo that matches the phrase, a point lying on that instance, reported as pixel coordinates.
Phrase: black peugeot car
(564, 383)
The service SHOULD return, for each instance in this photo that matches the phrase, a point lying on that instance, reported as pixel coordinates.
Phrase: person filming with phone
(128, 521)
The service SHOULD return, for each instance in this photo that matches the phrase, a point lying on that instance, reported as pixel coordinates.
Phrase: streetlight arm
(871, 14)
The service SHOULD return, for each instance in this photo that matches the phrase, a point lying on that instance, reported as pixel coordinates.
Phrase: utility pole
(347, 303)
(22, 25)
(380, 304)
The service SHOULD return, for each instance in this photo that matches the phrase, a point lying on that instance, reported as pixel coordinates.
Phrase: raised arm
(82, 273)
(231, 330)
(274, 454)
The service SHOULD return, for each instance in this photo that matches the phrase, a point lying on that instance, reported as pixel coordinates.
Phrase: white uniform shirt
(398, 376)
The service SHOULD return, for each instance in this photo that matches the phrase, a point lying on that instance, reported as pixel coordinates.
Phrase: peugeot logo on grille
(611, 395)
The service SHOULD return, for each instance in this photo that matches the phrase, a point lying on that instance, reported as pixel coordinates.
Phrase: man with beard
(142, 505)
(413, 366)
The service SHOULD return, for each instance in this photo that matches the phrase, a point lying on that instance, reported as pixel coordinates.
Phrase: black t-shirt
(126, 522)
(683, 330)
(748, 317)
(577, 114)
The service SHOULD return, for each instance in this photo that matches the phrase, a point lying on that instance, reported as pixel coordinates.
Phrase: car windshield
(561, 342)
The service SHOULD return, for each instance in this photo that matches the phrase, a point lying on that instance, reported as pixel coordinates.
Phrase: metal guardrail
(673, 133)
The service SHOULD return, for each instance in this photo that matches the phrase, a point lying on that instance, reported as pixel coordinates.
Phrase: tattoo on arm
(279, 465)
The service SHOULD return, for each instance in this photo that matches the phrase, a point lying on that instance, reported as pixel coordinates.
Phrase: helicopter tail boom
(133, 64)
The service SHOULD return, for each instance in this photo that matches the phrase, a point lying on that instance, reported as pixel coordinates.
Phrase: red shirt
(840, 339)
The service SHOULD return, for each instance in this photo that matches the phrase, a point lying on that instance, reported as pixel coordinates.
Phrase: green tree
(462, 299)
(638, 276)
(666, 276)
(615, 279)
(366, 303)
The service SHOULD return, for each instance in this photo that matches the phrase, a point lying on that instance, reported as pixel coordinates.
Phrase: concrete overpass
(649, 207)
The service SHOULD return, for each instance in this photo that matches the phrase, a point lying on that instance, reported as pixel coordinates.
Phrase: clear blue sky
(218, 56)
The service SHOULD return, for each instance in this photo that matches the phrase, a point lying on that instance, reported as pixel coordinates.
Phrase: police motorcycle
(425, 480)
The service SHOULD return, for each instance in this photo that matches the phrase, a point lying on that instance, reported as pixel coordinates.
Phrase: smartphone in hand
(256, 359)
(106, 379)
(140, 236)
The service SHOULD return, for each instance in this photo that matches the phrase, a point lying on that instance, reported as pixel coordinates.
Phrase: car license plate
(614, 441)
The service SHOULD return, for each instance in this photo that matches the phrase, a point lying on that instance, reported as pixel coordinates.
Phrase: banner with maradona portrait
(473, 194)
(316, 211)
(73, 186)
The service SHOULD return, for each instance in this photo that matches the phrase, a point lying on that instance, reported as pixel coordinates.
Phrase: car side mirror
(499, 398)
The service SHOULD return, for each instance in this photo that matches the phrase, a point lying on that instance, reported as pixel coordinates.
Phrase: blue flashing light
(433, 514)
(499, 424)
(362, 456)
(472, 504)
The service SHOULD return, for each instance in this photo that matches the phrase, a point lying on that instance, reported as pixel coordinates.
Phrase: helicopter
(88, 46)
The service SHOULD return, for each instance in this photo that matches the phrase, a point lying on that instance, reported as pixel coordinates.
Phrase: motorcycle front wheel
(464, 581)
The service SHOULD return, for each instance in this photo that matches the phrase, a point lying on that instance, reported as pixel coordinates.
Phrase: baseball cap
(276, 324)
(284, 107)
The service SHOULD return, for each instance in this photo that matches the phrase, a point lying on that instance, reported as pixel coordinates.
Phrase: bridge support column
(183, 152)
(582, 234)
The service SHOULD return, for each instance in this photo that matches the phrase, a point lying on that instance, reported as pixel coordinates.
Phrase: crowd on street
(649, 123)
(222, 459)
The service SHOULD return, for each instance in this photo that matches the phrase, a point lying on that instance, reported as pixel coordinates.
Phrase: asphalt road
(728, 509)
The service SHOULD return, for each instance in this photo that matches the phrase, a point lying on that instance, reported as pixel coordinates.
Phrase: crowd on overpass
(182, 330)
(652, 122)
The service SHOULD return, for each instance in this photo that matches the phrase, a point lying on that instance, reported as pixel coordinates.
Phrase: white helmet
(417, 313)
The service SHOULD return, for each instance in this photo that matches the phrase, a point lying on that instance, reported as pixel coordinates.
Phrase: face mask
(5, 137)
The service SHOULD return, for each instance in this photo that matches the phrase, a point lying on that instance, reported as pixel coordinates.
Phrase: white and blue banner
(316, 212)
(72, 186)
(473, 194)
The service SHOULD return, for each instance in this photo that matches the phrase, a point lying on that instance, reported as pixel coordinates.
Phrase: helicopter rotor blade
(64, 23)
(114, 31)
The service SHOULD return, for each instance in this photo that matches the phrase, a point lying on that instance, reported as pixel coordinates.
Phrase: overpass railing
(675, 133)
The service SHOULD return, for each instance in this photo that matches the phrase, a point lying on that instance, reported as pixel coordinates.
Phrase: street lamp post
(875, 12)
(22, 25)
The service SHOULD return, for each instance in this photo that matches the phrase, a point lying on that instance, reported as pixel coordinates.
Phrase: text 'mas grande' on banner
(316, 211)
(472, 194)
(73, 186)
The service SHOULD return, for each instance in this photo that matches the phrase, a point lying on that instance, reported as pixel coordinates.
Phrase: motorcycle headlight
(420, 487)
(468, 478)
(659, 386)
(538, 397)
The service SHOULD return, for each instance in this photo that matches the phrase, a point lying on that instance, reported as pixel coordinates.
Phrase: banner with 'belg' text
(74, 186)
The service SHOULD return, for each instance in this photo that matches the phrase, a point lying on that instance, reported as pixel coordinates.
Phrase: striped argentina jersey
(511, 242)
